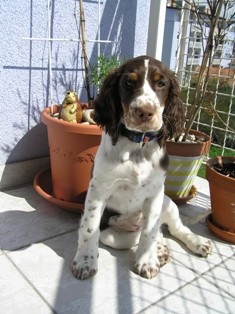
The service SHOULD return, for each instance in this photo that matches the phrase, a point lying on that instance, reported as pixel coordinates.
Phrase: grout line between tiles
(59, 235)
(29, 282)
(213, 283)
(219, 287)
(39, 241)
(201, 275)
(166, 296)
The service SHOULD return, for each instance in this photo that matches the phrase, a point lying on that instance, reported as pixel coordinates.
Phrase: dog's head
(143, 95)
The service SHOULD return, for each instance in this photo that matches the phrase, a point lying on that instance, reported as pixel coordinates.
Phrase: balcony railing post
(156, 28)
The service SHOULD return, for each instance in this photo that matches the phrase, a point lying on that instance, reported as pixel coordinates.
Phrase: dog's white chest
(128, 173)
(134, 182)
(126, 198)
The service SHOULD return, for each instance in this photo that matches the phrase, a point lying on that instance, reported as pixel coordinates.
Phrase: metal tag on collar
(144, 140)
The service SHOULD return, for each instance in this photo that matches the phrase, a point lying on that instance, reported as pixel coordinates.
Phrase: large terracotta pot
(222, 193)
(72, 151)
(185, 161)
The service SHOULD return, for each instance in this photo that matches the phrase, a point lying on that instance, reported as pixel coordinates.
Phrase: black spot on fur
(164, 162)
(92, 208)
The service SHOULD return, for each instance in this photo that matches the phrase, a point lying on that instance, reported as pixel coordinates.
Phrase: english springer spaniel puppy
(139, 108)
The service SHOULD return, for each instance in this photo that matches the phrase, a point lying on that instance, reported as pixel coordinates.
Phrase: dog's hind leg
(125, 240)
(119, 239)
(170, 216)
(120, 231)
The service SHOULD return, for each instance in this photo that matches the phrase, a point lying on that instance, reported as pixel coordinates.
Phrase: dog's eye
(160, 84)
(129, 82)
(131, 79)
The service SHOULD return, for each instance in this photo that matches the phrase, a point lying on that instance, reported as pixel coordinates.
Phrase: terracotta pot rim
(218, 176)
(68, 126)
(190, 149)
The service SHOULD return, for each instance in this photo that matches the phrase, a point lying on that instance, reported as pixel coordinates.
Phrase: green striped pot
(185, 160)
(181, 174)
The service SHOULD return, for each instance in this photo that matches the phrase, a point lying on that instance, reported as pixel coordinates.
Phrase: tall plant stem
(84, 52)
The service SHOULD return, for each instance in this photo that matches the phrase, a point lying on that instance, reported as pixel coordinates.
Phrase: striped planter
(185, 161)
(181, 174)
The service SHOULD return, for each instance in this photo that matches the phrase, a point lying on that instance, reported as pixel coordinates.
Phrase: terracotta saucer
(184, 200)
(222, 234)
(43, 185)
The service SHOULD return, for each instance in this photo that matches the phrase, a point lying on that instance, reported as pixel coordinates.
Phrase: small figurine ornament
(71, 110)
(88, 116)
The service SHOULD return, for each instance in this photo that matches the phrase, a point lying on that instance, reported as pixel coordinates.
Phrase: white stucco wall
(24, 87)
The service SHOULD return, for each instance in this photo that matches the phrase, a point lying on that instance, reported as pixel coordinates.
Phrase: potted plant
(72, 149)
(185, 159)
(180, 177)
(72, 145)
(220, 173)
(103, 67)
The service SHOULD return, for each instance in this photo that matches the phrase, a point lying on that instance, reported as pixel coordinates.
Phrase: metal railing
(217, 114)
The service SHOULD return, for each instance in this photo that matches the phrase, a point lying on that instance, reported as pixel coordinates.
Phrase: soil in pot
(227, 170)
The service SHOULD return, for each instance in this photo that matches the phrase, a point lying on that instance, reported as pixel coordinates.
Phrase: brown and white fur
(127, 187)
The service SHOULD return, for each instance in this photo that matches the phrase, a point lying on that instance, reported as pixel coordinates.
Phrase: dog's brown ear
(107, 105)
(173, 114)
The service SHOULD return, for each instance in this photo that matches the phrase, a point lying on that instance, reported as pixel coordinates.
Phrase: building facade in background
(225, 53)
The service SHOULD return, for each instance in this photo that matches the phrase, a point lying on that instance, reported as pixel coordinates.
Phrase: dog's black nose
(145, 114)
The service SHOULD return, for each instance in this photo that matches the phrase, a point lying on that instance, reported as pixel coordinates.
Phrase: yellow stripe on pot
(185, 173)
(175, 183)
(179, 189)
(175, 160)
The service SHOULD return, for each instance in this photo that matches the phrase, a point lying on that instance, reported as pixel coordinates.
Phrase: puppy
(139, 108)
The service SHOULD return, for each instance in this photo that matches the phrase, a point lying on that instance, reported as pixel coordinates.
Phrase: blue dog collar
(139, 137)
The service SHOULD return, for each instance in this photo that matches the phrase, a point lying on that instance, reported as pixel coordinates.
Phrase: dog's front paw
(84, 267)
(147, 266)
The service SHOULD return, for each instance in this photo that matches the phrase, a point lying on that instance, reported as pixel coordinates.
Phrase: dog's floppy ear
(107, 106)
(173, 114)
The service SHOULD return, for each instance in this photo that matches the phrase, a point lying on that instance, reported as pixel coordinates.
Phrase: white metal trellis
(49, 51)
(50, 39)
(185, 70)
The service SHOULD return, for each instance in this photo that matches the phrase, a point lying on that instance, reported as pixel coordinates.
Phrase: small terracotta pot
(72, 151)
(222, 193)
(185, 161)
